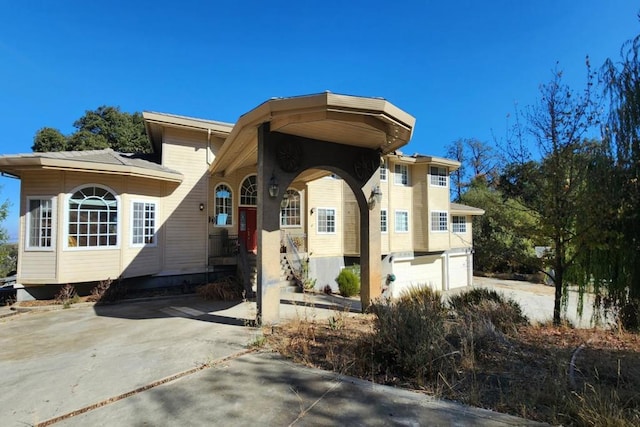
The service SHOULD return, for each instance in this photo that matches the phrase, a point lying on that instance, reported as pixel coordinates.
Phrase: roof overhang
(17, 166)
(459, 209)
(451, 165)
(155, 123)
(351, 120)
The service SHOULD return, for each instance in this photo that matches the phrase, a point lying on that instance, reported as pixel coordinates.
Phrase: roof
(107, 160)
(372, 123)
(452, 165)
(457, 208)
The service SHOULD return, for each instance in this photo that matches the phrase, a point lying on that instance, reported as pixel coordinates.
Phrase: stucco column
(268, 229)
(370, 246)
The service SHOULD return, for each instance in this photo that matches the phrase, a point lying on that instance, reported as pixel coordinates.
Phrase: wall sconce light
(375, 197)
(274, 188)
(312, 210)
(285, 201)
(201, 206)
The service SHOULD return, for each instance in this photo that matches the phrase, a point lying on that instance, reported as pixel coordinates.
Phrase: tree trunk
(557, 303)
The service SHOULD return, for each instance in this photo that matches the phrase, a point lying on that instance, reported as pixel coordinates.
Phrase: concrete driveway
(185, 361)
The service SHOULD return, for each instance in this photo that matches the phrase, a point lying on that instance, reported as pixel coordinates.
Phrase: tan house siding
(184, 225)
(437, 200)
(325, 193)
(462, 240)
(420, 209)
(400, 199)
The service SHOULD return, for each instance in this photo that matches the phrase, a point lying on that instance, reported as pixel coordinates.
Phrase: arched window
(249, 192)
(290, 210)
(224, 205)
(93, 218)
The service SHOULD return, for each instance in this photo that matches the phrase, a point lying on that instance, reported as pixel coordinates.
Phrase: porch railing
(223, 245)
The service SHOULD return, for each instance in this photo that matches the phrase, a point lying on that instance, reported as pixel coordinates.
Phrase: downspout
(206, 208)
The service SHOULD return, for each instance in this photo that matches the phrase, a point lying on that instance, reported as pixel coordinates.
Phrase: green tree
(553, 189)
(500, 237)
(105, 127)
(49, 139)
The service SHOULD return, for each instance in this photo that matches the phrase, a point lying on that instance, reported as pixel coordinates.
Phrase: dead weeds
(524, 372)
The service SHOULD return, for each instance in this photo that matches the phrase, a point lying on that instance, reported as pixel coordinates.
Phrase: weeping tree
(612, 263)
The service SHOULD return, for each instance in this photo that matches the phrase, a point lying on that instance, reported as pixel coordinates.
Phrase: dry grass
(519, 369)
(226, 289)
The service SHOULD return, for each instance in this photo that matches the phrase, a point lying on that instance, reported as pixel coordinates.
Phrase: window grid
(438, 176)
(383, 220)
(383, 171)
(40, 223)
(93, 218)
(249, 192)
(459, 224)
(439, 221)
(326, 220)
(401, 175)
(144, 223)
(223, 205)
(402, 221)
(290, 214)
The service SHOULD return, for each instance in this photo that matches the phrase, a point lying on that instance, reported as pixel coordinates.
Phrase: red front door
(248, 224)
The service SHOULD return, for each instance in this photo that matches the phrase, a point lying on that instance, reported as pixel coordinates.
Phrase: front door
(248, 224)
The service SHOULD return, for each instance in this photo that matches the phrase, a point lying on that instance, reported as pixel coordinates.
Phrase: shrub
(348, 283)
(410, 335)
(108, 291)
(488, 306)
(67, 295)
(226, 289)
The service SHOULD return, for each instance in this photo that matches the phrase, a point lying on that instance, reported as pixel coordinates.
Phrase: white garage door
(420, 271)
(458, 271)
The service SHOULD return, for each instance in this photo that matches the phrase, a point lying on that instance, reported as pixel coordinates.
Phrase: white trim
(453, 224)
(118, 244)
(396, 174)
(300, 210)
(395, 220)
(432, 176)
(240, 204)
(439, 216)
(54, 225)
(386, 221)
(384, 167)
(215, 215)
(156, 210)
(335, 220)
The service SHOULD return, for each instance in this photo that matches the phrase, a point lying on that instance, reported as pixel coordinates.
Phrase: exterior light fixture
(201, 206)
(274, 188)
(375, 197)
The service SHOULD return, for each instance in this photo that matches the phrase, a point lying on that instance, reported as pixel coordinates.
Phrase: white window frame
(459, 224)
(29, 230)
(440, 215)
(399, 213)
(327, 228)
(145, 227)
(440, 178)
(248, 193)
(291, 212)
(118, 224)
(383, 171)
(401, 174)
(384, 221)
(228, 223)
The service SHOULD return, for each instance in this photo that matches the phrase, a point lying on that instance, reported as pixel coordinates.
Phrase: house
(316, 180)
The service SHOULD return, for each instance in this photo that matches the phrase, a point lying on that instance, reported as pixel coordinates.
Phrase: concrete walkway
(185, 361)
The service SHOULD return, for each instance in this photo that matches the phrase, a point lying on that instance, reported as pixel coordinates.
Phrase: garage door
(420, 271)
(458, 271)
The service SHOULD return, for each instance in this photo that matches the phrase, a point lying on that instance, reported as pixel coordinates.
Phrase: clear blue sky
(457, 66)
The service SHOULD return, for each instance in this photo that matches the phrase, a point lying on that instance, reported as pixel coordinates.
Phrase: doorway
(247, 231)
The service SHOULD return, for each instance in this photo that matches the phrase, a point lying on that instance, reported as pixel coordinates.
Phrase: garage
(458, 271)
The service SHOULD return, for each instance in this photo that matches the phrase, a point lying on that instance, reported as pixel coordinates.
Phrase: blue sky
(457, 66)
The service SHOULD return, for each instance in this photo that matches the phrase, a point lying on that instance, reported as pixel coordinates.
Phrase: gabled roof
(106, 160)
(460, 209)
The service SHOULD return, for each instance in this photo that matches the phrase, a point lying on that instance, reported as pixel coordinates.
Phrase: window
(383, 171)
(93, 218)
(401, 176)
(402, 221)
(249, 192)
(439, 221)
(326, 220)
(290, 213)
(438, 176)
(459, 224)
(383, 220)
(143, 223)
(40, 223)
(223, 205)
